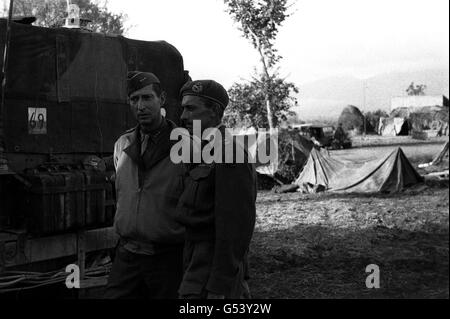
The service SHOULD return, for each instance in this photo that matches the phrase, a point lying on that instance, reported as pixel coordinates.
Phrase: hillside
(326, 98)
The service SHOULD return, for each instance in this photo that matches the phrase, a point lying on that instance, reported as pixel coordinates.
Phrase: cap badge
(197, 88)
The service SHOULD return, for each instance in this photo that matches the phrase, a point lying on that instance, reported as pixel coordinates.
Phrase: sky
(322, 38)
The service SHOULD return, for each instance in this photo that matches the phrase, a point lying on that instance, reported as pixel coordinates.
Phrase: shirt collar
(153, 136)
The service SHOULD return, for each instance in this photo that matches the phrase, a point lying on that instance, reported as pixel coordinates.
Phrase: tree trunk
(267, 97)
(269, 112)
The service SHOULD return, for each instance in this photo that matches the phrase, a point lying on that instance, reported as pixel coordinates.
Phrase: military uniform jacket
(148, 187)
(218, 204)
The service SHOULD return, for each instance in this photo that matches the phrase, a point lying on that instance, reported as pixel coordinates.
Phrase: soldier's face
(196, 108)
(146, 106)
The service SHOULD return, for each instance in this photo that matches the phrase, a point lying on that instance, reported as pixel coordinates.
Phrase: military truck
(323, 135)
(320, 134)
(64, 101)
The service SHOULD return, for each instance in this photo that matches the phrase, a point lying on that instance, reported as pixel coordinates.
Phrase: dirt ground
(318, 245)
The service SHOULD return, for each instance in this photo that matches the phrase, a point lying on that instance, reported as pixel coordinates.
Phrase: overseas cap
(208, 89)
(137, 80)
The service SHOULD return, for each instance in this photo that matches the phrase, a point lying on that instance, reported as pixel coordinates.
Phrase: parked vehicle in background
(319, 134)
(323, 135)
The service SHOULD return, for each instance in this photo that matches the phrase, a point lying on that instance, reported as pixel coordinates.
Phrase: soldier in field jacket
(149, 257)
(217, 206)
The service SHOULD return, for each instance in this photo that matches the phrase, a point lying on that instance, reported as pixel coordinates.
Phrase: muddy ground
(318, 245)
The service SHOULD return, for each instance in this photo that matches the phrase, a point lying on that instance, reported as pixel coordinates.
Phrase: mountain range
(325, 99)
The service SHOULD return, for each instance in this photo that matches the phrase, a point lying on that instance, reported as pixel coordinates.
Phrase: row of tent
(401, 121)
(388, 173)
(353, 121)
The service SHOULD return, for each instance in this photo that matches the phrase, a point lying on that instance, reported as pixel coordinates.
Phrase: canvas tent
(294, 147)
(289, 146)
(254, 142)
(389, 173)
(441, 159)
(423, 114)
(393, 126)
(442, 156)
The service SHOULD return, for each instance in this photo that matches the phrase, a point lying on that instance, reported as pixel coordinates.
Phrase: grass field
(318, 245)
(416, 152)
(377, 140)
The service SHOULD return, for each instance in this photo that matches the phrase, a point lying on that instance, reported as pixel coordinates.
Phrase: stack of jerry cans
(44, 205)
(74, 199)
(66, 199)
(95, 197)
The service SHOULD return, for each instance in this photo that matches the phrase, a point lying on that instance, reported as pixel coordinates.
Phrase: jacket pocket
(200, 172)
(197, 185)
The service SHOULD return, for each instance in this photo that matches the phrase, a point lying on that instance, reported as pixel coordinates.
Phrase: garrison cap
(137, 80)
(208, 89)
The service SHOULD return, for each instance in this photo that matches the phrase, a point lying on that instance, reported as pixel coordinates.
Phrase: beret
(137, 80)
(208, 89)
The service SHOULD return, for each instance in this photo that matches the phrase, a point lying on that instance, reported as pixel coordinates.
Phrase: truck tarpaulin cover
(66, 89)
(388, 174)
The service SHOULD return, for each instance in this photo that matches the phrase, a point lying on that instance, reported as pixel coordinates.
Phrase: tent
(284, 147)
(390, 173)
(261, 146)
(442, 156)
(393, 126)
(294, 147)
(441, 159)
(424, 118)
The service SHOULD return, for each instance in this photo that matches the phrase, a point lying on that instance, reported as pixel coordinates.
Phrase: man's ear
(163, 98)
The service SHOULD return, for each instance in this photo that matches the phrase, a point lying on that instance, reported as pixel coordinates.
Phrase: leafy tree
(416, 89)
(51, 13)
(259, 21)
(246, 100)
